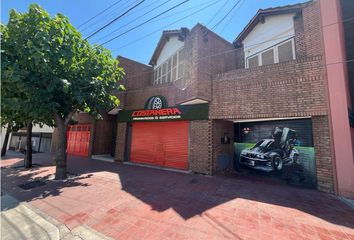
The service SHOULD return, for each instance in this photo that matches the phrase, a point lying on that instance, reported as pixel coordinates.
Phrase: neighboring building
(3, 133)
(41, 139)
(204, 103)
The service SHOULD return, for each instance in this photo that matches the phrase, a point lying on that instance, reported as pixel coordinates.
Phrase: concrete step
(21, 221)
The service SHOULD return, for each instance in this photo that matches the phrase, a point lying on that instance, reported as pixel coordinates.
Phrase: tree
(15, 115)
(19, 103)
(48, 62)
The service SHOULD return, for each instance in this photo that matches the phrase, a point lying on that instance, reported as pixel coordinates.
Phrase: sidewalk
(130, 202)
(21, 221)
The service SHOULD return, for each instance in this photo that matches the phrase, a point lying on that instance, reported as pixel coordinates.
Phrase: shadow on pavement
(37, 182)
(186, 194)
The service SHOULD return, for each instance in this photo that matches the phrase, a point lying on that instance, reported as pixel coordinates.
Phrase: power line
(224, 52)
(222, 19)
(183, 11)
(98, 14)
(109, 14)
(233, 15)
(227, 51)
(139, 25)
(115, 19)
(175, 13)
(164, 27)
(134, 20)
(214, 16)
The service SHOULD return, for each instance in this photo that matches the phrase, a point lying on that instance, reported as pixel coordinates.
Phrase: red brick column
(120, 141)
(324, 163)
(200, 151)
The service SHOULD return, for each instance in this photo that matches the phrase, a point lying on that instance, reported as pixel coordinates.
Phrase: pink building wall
(338, 96)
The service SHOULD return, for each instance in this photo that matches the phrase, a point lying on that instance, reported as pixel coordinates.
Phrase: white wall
(44, 129)
(169, 49)
(37, 129)
(274, 30)
(3, 133)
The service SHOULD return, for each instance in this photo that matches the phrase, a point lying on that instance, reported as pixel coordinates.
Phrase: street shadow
(192, 194)
(35, 183)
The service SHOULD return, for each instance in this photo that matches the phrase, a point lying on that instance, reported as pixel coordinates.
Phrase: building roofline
(166, 34)
(262, 13)
(131, 60)
(207, 31)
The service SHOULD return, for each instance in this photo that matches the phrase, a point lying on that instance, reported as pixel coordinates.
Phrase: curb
(82, 232)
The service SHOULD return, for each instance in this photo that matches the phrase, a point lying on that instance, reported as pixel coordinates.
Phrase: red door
(160, 143)
(78, 140)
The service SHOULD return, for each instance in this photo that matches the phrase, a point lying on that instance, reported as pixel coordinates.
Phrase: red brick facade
(121, 142)
(200, 156)
(215, 72)
(289, 89)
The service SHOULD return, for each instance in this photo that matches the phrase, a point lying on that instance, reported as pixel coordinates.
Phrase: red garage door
(160, 143)
(78, 140)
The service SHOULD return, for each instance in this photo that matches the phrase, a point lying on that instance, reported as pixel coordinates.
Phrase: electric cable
(111, 14)
(137, 18)
(164, 27)
(141, 24)
(222, 19)
(115, 19)
(233, 15)
(228, 51)
(214, 16)
(98, 14)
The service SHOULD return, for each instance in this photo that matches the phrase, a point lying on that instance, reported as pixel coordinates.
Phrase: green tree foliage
(55, 72)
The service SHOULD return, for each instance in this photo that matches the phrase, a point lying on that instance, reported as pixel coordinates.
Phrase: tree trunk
(60, 159)
(28, 156)
(6, 140)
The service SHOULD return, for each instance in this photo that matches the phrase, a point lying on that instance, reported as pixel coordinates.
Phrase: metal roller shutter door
(160, 143)
(78, 140)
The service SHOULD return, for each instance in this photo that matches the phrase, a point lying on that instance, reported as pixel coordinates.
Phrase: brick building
(257, 106)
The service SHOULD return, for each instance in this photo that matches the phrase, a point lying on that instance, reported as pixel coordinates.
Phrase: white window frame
(275, 52)
(158, 79)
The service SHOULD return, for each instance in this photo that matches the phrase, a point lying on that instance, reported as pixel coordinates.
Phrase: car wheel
(277, 163)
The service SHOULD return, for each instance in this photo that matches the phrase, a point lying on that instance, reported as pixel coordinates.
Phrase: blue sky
(78, 11)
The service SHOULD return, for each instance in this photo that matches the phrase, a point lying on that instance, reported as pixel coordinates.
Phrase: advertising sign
(183, 112)
(282, 149)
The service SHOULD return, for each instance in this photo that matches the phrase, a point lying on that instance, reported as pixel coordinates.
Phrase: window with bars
(170, 70)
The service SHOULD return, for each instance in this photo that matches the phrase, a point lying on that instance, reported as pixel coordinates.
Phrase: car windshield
(263, 144)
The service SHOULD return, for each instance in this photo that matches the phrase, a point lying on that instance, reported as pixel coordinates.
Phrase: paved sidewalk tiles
(130, 202)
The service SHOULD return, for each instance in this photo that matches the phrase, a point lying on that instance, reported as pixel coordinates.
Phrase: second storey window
(285, 51)
(170, 70)
(281, 52)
